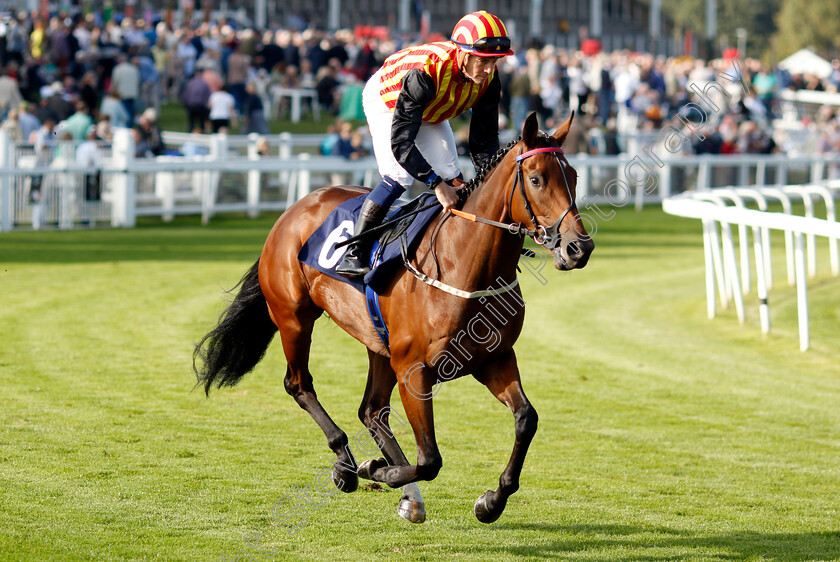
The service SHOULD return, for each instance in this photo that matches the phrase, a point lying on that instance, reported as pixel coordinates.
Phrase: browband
(525, 155)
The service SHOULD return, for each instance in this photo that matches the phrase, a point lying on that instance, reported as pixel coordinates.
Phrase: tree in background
(808, 23)
(756, 16)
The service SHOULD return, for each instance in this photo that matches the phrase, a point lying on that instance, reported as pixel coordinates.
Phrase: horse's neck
(490, 252)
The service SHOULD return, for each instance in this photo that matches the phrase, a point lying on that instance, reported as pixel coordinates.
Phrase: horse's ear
(530, 129)
(563, 130)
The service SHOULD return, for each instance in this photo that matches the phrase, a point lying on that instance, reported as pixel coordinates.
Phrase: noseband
(548, 237)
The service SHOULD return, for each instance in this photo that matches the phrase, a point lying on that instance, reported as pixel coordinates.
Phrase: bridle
(548, 237)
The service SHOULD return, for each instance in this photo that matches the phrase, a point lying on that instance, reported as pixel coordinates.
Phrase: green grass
(173, 117)
(663, 435)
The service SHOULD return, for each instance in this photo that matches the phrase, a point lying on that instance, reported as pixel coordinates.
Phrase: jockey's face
(477, 69)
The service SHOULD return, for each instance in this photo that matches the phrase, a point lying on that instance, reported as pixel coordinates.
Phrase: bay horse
(447, 318)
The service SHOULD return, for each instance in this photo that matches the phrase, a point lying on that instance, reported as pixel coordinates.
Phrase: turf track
(663, 435)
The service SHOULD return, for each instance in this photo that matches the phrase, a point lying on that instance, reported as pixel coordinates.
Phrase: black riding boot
(357, 256)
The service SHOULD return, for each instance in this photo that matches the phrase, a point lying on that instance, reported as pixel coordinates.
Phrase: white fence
(721, 208)
(226, 174)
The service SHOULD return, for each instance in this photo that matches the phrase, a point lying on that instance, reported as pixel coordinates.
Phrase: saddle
(386, 258)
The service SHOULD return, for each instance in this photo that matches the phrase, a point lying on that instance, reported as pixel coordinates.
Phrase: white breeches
(435, 142)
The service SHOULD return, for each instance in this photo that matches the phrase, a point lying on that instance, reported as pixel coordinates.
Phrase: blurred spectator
(89, 92)
(185, 55)
(77, 125)
(11, 126)
(262, 147)
(29, 123)
(15, 42)
(577, 141)
(237, 75)
(253, 113)
(114, 110)
(222, 110)
(195, 97)
(150, 132)
(125, 79)
(89, 155)
(149, 81)
(520, 91)
(348, 143)
(10, 95)
(327, 88)
(764, 84)
(103, 128)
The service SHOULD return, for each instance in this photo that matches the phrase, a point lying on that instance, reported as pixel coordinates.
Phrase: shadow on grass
(652, 543)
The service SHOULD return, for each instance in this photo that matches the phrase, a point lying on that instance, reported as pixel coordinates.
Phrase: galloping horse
(435, 335)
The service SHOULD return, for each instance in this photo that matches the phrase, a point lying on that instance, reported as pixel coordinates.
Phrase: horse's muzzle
(573, 253)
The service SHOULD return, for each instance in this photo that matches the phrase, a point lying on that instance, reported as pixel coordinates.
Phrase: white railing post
(7, 201)
(165, 187)
(665, 181)
(65, 186)
(717, 260)
(761, 285)
(304, 180)
(285, 153)
(218, 152)
(760, 173)
(640, 193)
(733, 282)
(710, 268)
(744, 174)
(817, 171)
(254, 176)
(703, 175)
(802, 293)
(583, 178)
(123, 207)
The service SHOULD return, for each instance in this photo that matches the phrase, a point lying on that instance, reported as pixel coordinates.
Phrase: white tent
(805, 61)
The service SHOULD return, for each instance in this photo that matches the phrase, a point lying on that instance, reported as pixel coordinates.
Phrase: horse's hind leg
(296, 332)
(502, 379)
(375, 412)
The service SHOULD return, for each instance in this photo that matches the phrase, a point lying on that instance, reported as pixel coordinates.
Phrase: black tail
(240, 340)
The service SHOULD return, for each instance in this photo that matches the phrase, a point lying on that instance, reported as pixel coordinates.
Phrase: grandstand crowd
(90, 76)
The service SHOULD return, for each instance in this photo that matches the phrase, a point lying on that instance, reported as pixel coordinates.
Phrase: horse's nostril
(573, 249)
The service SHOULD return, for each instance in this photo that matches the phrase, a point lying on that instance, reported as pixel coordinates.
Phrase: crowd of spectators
(86, 77)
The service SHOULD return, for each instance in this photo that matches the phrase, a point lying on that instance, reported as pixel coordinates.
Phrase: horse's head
(545, 195)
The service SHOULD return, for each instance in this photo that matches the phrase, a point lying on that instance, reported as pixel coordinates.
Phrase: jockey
(408, 103)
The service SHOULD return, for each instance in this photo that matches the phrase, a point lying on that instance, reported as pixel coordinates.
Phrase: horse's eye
(535, 181)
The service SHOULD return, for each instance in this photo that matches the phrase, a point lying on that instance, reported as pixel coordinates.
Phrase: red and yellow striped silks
(454, 94)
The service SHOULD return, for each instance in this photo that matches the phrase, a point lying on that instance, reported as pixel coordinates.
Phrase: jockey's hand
(447, 194)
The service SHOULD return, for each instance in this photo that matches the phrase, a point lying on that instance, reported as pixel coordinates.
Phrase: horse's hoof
(412, 511)
(486, 513)
(367, 468)
(345, 481)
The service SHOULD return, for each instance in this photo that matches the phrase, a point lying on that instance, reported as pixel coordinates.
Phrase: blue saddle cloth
(320, 253)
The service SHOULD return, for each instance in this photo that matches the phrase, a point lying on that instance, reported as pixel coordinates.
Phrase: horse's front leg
(502, 379)
(415, 386)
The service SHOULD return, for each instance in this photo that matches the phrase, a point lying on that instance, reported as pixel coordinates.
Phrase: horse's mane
(482, 172)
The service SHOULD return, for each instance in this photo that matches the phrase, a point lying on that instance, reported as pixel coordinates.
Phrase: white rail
(722, 268)
(170, 185)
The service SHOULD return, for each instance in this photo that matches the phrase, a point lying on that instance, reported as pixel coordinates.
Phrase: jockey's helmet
(483, 34)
